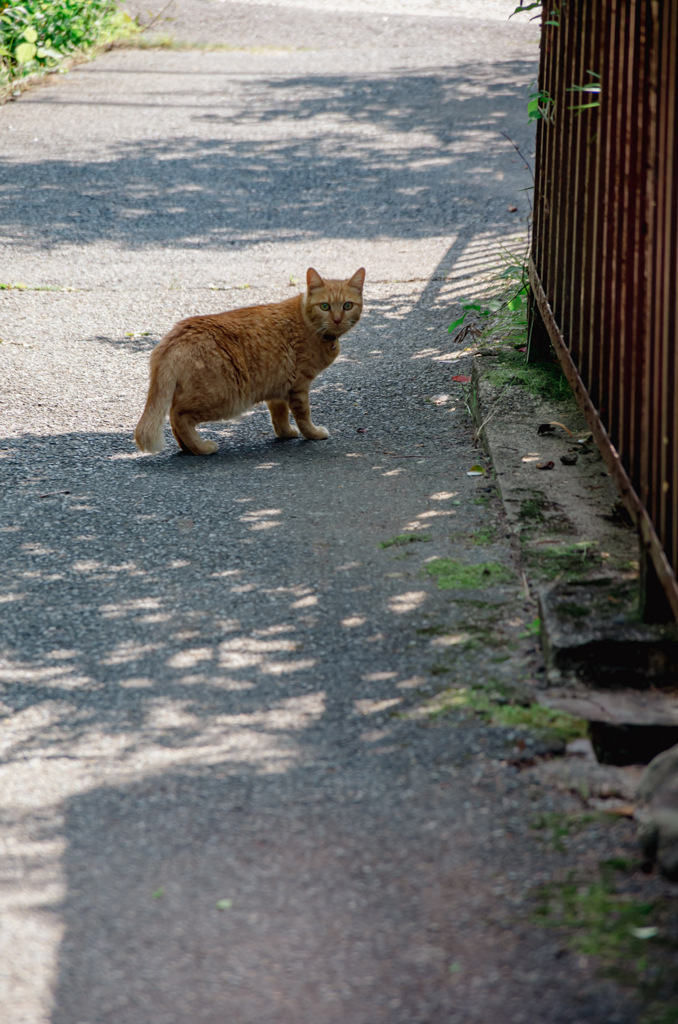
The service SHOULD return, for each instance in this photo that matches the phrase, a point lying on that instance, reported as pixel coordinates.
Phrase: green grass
(451, 574)
(603, 923)
(498, 705)
(565, 726)
(570, 561)
(557, 826)
(485, 536)
(532, 509)
(629, 937)
(544, 380)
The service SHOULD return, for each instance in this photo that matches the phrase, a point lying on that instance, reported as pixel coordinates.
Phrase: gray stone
(657, 812)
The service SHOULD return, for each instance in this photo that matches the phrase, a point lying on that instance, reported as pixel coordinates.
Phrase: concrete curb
(579, 556)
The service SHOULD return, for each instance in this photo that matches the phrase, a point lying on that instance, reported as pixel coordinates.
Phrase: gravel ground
(224, 798)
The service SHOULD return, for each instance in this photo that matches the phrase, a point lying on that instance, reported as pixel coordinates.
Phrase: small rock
(581, 747)
(657, 812)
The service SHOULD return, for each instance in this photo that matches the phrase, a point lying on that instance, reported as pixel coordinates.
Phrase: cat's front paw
(286, 433)
(315, 433)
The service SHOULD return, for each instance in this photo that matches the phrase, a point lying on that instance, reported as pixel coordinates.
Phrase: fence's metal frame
(604, 259)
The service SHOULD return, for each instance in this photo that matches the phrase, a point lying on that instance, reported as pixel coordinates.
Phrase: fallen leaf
(224, 904)
(512, 209)
(569, 460)
(622, 810)
(546, 465)
(476, 471)
(461, 378)
(644, 933)
(548, 428)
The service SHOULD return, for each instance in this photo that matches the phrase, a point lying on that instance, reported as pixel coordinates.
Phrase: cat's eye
(348, 305)
(324, 305)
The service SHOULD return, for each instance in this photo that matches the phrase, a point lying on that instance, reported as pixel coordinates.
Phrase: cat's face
(333, 307)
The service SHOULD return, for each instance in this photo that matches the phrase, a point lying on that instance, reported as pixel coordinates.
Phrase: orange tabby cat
(216, 367)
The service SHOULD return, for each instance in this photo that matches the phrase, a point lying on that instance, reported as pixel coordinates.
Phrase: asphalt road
(223, 796)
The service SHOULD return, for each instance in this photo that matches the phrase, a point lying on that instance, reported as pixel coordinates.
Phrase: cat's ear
(358, 279)
(313, 279)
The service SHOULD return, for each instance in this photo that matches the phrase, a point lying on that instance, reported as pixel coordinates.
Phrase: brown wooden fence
(604, 262)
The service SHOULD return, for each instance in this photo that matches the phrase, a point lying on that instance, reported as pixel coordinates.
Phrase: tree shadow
(418, 155)
(186, 646)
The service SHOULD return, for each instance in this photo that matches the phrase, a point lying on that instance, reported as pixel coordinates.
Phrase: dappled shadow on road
(400, 156)
(199, 690)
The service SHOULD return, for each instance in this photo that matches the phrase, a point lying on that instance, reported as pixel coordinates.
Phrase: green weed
(566, 727)
(604, 923)
(531, 629)
(451, 574)
(628, 936)
(484, 537)
(567, 560)
(543, 379)
(532, 509)
(498, 705)
(559, 826)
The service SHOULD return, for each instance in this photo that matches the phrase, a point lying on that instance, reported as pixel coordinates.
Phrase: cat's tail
(150, 430)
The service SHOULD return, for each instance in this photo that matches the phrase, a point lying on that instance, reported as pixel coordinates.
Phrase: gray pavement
(223, 796)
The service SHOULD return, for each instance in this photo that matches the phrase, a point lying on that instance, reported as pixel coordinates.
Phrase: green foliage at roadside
(504, 709)
(36, 35)
(544, 380)
(630, 938)
(452, 574)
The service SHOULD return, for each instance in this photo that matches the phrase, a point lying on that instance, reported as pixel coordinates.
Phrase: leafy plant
(536, 5)
(588, 89)
(506, 312)
(540, 106)
(36, 35)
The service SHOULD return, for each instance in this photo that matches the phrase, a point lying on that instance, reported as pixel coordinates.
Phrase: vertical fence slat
(579, 340)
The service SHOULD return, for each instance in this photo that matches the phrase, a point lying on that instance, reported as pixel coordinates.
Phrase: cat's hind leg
(280, 418)
(188, 438)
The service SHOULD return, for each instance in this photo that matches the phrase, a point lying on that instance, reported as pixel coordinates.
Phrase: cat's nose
(336, 318)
